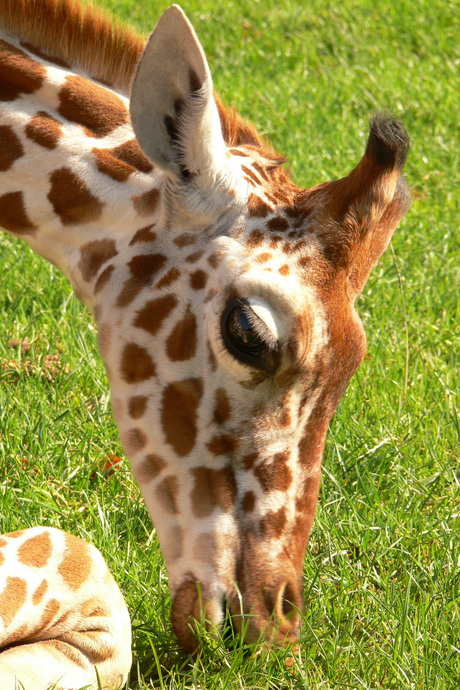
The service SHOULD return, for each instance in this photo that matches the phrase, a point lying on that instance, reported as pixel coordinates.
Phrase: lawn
(382, 569)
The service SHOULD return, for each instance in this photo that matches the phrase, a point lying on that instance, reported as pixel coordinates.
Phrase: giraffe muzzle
(269, 615)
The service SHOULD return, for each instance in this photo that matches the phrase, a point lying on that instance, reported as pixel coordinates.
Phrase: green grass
(382, 569)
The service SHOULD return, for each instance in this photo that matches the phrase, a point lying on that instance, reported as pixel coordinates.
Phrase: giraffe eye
(247, 337)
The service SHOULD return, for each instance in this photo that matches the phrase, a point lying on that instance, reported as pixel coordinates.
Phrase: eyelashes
(247, 338)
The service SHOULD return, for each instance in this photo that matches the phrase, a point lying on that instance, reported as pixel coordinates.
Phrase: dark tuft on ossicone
(388, 143)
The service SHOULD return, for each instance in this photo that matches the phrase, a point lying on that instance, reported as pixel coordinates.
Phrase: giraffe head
(226, 317)
(227, 368)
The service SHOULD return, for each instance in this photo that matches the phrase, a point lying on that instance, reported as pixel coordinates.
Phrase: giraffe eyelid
(247, 337)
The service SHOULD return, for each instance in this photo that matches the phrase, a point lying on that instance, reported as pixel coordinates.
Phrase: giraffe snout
(269, 613)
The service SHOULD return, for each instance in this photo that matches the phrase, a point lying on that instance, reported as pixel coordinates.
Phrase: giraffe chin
(188, 606)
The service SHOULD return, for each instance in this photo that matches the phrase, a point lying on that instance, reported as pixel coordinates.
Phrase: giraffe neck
(70, 165)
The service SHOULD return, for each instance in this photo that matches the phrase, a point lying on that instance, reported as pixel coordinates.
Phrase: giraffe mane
(88, 38)
(84, 36)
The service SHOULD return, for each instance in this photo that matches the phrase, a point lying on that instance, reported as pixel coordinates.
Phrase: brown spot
(251, 175)
(215, 259)
(12, 599)
(19, 73)
(301, 244)
(284, 270)
(103, 278)
(285, 417)
(93, 255)
(76, 563)
(179, 412)
(13, 216)
(238, 152)
(98, 110)
(204, 549)
(249, 501)
(166, 494)
(198, 280)
(181, 344)
(306, 495)
(39, 592)
(3, 542)
(104, 338)
(212, 489)
(184, 240)
(222, 409)
(134, 440)
(278, 224)
(257, 207)
(36, 551)
(145, 204)
(109, 165)
(264, 257)
(2, 559)
(10, 148)
(173, 545)
(151, 317)
(193, 258)
(249, 461)
(223, 444)
(148, 468)
(210, 295)
(142, 268)
(144, 235)
(169, 277)
(71, 199)
(136, 364)
(137, 405)
(94, 608)
(44, 130)
(274, 475)
(131, 154)
(260, 170)
(255, 239)
(272, 525)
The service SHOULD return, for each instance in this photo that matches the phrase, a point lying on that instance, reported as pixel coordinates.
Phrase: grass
(382, 569)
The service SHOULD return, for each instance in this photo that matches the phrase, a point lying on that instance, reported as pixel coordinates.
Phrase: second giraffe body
(63, 620)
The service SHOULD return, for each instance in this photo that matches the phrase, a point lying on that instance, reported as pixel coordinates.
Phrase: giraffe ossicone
(223, 293)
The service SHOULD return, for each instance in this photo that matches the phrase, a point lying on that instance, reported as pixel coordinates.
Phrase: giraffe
(223, 293)
(62, 615)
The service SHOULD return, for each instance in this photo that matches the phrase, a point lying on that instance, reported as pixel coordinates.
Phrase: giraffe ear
(359, 213)
(173, 112)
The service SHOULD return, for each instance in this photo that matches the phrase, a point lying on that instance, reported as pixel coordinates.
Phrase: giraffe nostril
(288, 603)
